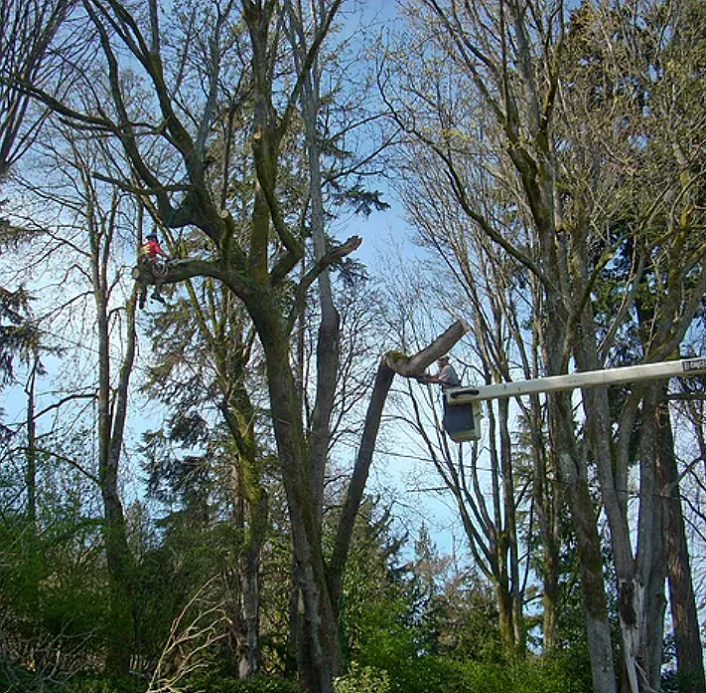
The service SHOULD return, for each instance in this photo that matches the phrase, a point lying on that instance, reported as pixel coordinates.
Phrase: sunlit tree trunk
(651, 563)
(574, 480)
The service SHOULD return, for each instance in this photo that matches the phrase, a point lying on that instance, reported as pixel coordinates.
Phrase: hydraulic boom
(462, 403)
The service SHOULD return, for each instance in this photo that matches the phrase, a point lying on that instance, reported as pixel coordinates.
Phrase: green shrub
(529, 675)
(101, 684)
(213, 683)
(435, 674)
(362, 680)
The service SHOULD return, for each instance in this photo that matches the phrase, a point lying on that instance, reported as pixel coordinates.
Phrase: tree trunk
(249, 574)
(120, 622)
(630, 585)
(390, 364)
(327, 352)
(550, 595)
(574, 479)
(30, 543)
(327, 348)
(499, 529)
(690, 665)
(640, 574)
(250, 517)
(118, 556)
(319, 651)
(31, 453)
(251, 500)
(545, 497)
(111, 424)
(651, 558)
(509, 531)
(249, 577)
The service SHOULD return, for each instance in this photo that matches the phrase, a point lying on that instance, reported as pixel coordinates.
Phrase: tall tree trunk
(112, 415)
(509, 530)
(319, 651)
(690, 665)
(327, 349)
(249, 576)
(500, 530)
(560, 304)
(31, 544)
(120, 621)
(31, 452)
(251, 515)
(640, 573)
(631, 588)
(328, 342)
(545, 499)
(574, 479)
(651, 555)
(118, 556)
(251, 520)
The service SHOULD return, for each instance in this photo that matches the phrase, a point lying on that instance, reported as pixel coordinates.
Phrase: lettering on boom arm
(694, 365)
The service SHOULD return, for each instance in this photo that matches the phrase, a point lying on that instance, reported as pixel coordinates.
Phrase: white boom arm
(648, 371)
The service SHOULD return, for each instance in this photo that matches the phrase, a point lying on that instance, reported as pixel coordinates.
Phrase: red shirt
(150, 249)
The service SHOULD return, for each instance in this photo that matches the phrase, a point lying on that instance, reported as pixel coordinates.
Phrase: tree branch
(332, 257)
(390, 364)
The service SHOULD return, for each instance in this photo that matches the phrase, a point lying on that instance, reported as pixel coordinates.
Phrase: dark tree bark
(111, 423)
(690, 666)
(112, 416)
(251, 516)
(111, 426)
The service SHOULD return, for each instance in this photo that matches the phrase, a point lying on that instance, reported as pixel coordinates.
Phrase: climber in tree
(154, 259)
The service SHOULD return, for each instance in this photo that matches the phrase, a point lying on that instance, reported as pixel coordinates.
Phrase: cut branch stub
(339, 252)
(414, 366)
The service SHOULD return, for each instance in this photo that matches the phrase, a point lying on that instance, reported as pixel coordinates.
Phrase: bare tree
(481, 478)
(473, 277)
(93, 234)
(28, 33)
(515, 58)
